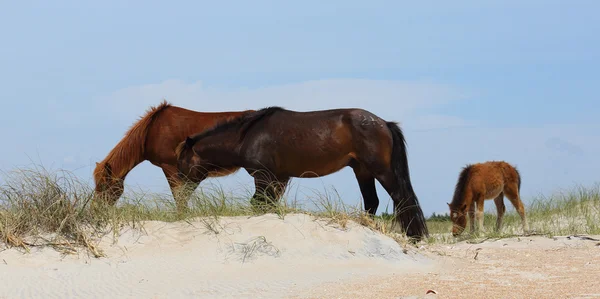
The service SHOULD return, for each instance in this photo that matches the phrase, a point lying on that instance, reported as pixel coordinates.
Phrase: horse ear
(189, 141)
(97, 163)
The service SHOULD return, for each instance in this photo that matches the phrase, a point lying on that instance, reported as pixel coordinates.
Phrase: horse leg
(499, 201)
(401, 208)
(181, 190)
(268, 190)
(279, 188)
(366, 183)
(471, 214)
(512, 194)
(479, 213)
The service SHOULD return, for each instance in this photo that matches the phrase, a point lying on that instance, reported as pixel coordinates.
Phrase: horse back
(331, 126)
(321, 141)
(492, 177)
(173, 125)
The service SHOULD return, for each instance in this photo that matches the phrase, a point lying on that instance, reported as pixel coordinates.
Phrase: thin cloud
(394, 100)
(564, 146)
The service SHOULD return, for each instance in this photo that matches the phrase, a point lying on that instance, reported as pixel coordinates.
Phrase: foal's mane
(459, 190)
(241, 124)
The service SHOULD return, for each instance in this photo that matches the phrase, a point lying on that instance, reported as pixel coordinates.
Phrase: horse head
(108, 187)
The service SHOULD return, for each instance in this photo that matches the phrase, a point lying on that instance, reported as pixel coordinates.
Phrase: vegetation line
(54, 208)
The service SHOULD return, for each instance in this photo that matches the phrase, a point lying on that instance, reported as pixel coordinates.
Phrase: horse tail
(131, 148)
(409, 210)
(518, 180)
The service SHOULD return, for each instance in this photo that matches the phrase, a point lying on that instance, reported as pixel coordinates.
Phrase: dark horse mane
(241, 124)
(459, 190)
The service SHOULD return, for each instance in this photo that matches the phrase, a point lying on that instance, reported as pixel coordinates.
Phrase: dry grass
(39, 207)
(53, 208)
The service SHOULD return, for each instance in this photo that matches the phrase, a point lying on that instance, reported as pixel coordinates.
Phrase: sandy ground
(524, 267)
(298, 257)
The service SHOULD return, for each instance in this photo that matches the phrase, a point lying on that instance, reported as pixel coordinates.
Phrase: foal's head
(458, 218)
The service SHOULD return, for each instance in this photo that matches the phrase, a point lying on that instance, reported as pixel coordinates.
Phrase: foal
(480, 182)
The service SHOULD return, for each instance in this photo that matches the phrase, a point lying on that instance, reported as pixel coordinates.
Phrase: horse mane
(459, 190)
(179, 149)
(130, 149)
(242, 124)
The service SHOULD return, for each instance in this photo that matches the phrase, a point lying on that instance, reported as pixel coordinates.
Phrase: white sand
(250, 257)
(298, 257)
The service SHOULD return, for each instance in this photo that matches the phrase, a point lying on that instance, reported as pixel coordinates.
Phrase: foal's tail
(518, 180)
(408, 208)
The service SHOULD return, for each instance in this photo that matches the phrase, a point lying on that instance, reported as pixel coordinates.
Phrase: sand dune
(301, 257)
(249, 257)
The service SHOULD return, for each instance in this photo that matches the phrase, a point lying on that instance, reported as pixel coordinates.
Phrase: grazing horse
(274, 144)
(480, 182)
(154, 137)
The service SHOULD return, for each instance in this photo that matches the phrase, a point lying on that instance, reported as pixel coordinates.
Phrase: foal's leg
(479, 199)
(181, 190)
(471, 214)
(366, 182)
(499, 201)
(512, 194)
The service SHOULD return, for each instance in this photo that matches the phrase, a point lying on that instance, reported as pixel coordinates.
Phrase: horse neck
(465, 198)
(232, 149)
(229, 148)
(121, 169)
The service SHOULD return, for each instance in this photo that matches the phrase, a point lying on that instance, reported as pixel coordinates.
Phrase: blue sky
(469, 81)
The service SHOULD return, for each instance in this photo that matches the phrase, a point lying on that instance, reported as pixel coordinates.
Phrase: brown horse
(154, 137)
(275, 144)
(482, 181)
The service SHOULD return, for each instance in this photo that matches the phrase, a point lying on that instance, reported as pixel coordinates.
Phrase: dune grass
(565, 212)
(40, 208)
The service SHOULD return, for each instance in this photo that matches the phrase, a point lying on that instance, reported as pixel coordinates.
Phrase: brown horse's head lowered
(458, 216)
(108, 186)
(189, 164)
(458, 207)
(274, 144)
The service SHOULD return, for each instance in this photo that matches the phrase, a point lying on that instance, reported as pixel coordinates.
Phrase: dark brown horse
(154, 137)
(275, 144)
(482, 181)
